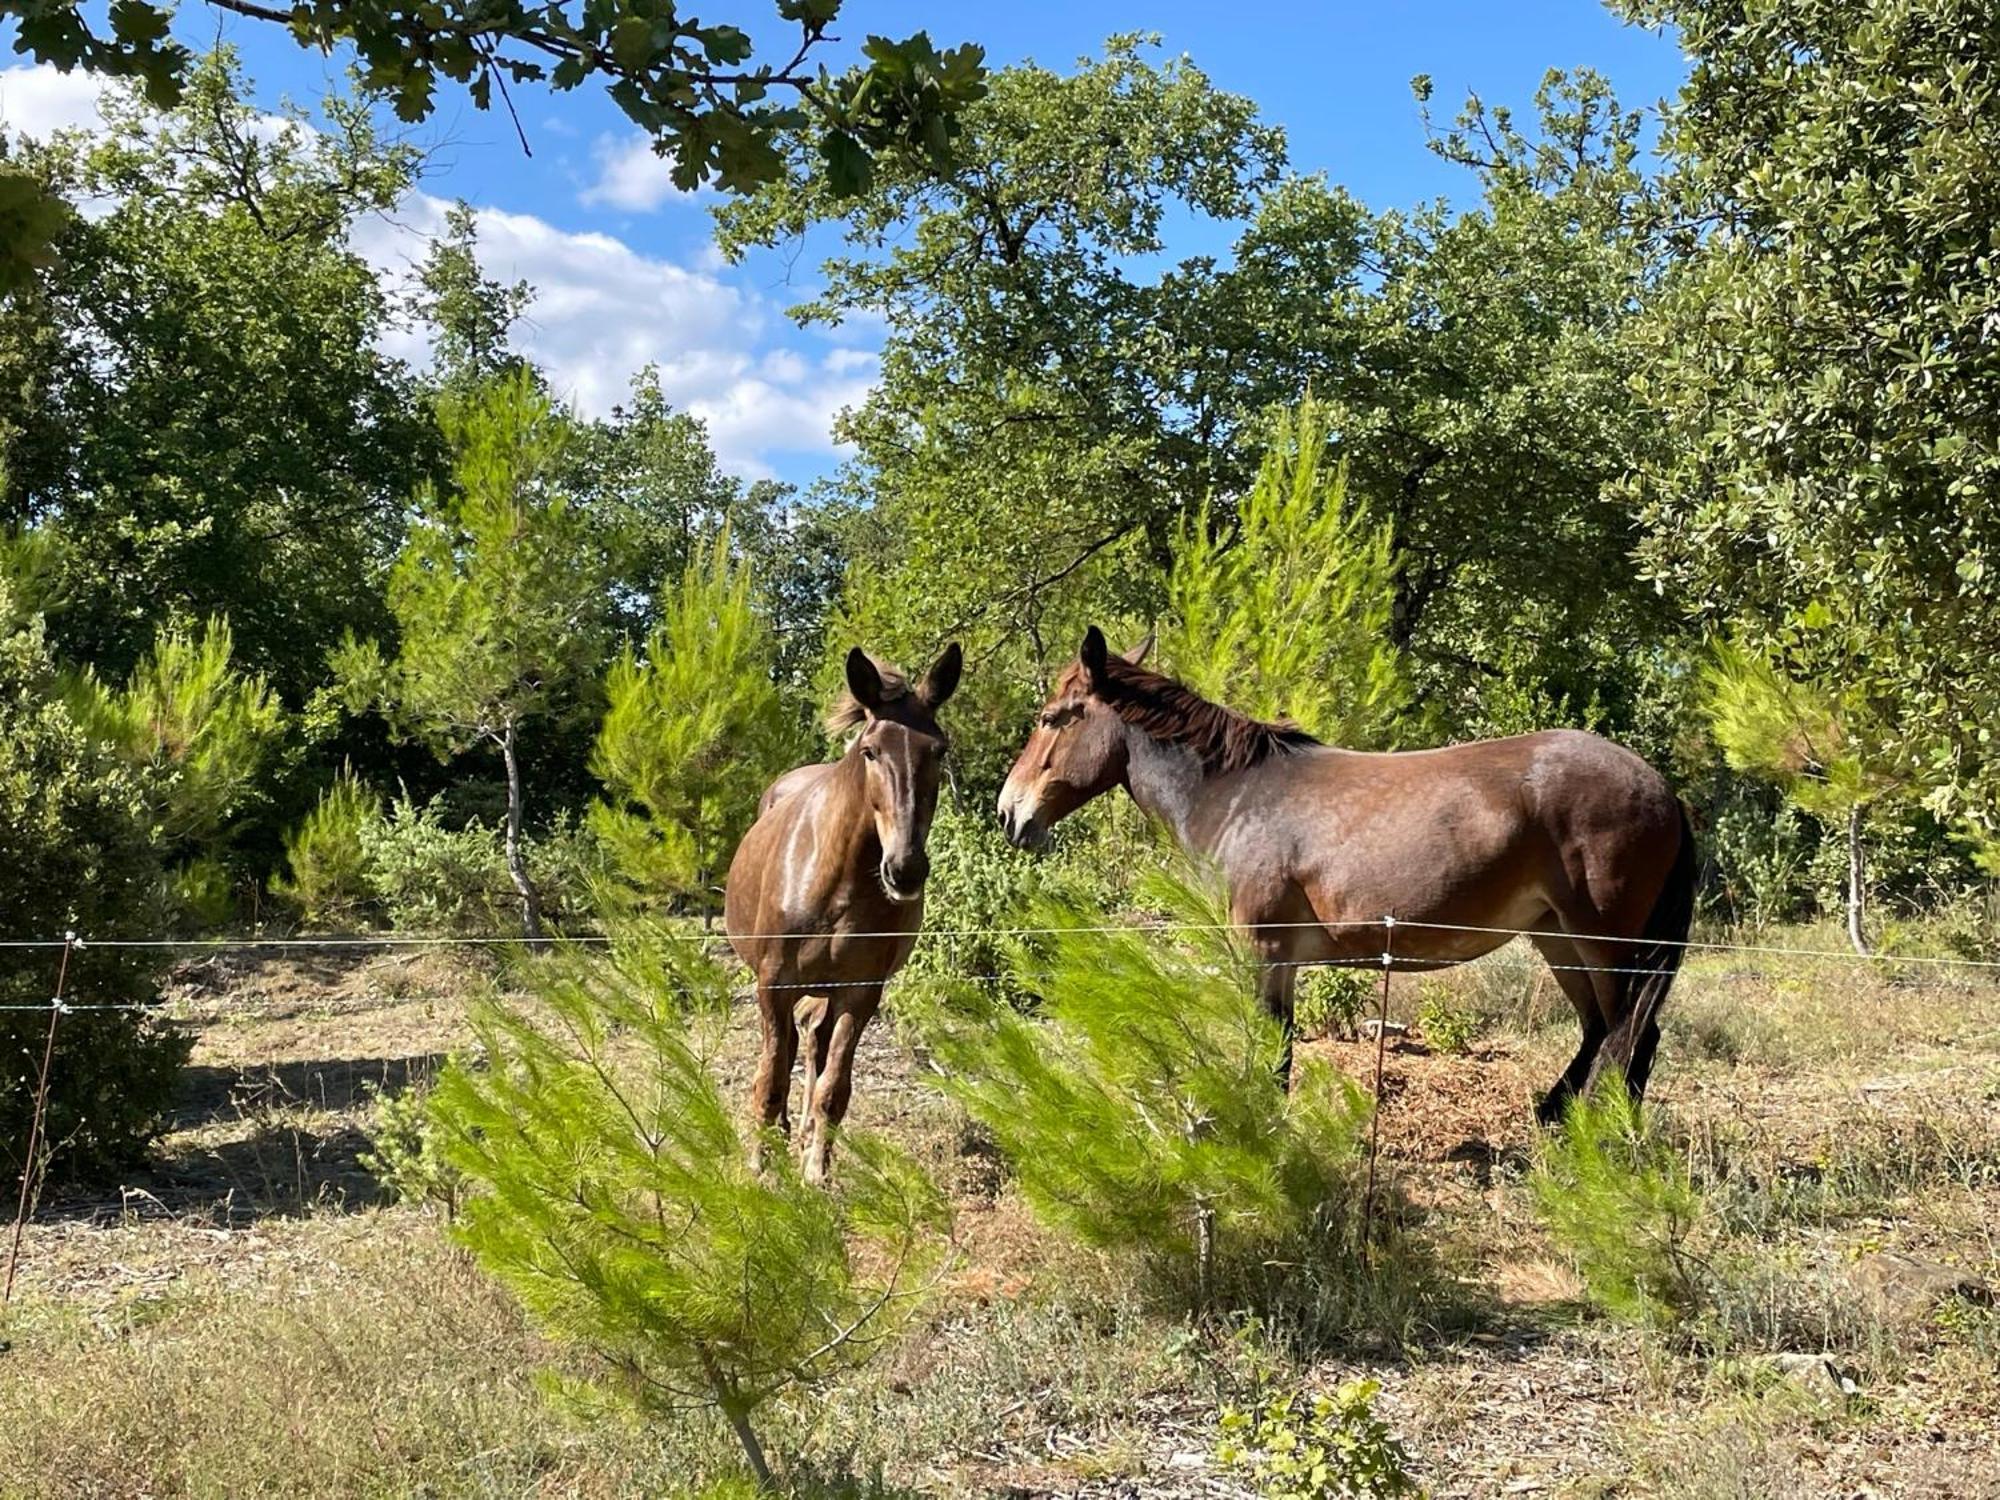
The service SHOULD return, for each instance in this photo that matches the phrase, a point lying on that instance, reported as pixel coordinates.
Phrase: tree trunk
(1857, 881)
(517, 866)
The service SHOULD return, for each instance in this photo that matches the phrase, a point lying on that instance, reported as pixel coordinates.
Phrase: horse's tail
(1657, 959)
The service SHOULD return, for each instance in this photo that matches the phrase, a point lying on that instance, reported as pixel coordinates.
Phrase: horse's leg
(808, 1020)
(770, 1092)
(1576, 984)
(848, 1016)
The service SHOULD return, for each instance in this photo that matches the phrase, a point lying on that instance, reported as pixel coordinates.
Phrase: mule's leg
(847, 1017)
(1565, 963)
(1278, 988)
(770, 1092)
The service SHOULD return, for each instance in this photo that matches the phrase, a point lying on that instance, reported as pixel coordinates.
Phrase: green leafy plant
(1621, 1201)
(693, 730)
(1446, 1022)
(1326, 1447)
(1330, 1001)
(1299, 552)
(327, 857)
(611, 1189)
(1140, 1107)
(404, 1154)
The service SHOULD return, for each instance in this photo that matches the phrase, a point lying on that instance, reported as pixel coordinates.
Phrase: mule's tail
(1657, 959)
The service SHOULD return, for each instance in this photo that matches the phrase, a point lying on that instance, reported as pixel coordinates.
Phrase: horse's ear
(863, 681)
(942, 680)
(1139, 652)
(1094, 654)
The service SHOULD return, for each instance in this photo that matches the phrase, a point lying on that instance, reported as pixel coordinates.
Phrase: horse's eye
(866, 753)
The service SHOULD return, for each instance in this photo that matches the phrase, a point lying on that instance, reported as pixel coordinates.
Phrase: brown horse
(826, 892)
(1562, 835)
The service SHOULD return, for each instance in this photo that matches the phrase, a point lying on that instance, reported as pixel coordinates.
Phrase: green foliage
(327, 855)
(1059, 382)
(200, 728)
(612, 1191)
(1828, 750)
(689, 84)
(77, 853)
(978, 886)
(404, 1155)
(432, 877)
(1326, 1447)
(1330, 1001)
(214, 427)
(1814, 362)
(1621, 1201)
(499, 598)
(1288, 617)
(1446, 1022)
(693, 730)
(1140, 1108)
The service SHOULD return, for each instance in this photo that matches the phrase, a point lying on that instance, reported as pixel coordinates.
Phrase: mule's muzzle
(903, 879)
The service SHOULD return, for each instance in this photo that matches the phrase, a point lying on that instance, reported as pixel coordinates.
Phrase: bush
(1142, 1111)
(1446, 1023)
(1621, 1201)
(405, 1158)
(327, 855)
(1330, 1448)
(1330, 1001)
(77, 853)
(431, 877)
(979, 887)
(612, 1191)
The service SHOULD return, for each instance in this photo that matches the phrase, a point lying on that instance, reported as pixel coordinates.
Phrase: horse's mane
(847, 711)
(1222, 739)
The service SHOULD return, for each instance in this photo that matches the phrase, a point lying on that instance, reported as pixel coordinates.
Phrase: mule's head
(1076, 752)
(902, 756)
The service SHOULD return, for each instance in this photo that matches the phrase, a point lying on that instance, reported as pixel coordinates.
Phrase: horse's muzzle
(903, 879)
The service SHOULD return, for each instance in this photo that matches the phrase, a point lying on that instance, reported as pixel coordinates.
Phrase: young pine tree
(610, 1189)
(1831, 752)
(1286, 614)
(1141, 1107)
(199, 731)
(693, 730)
(498, 598)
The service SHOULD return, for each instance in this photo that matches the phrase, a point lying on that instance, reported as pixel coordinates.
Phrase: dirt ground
(1862, 1105)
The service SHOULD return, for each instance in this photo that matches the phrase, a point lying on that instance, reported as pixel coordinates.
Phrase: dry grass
(248, 1319)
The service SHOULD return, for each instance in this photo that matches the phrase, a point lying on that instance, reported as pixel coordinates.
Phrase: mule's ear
(1094, 654)
(941, 681)
(1139, 652)
(863, 681)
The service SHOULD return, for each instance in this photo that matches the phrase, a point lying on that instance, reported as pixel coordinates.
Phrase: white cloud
(603, 311)
(38, 101)
(630, 176)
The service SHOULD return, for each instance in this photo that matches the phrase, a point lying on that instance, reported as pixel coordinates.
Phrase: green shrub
(77, 853)
(1620, 1200)
(1331, 1001)
(1328, 1448)
(327, 856)
(1141, 1111)
(405, 1157)
(1446, 1022)
(432, 877)
(611, 1190)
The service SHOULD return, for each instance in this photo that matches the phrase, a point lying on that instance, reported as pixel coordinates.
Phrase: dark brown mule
(826, 892)
(1560, 834)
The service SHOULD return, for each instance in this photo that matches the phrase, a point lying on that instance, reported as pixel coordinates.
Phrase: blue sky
(625, 266)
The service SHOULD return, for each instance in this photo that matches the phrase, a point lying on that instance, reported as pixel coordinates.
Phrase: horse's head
(1076, 752)
(902, 753)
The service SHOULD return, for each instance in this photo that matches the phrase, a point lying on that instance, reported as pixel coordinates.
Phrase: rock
(1901, 1289)
(1815, 1374)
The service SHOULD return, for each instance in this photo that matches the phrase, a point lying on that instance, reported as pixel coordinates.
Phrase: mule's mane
(847, 710)
(1222, 739)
